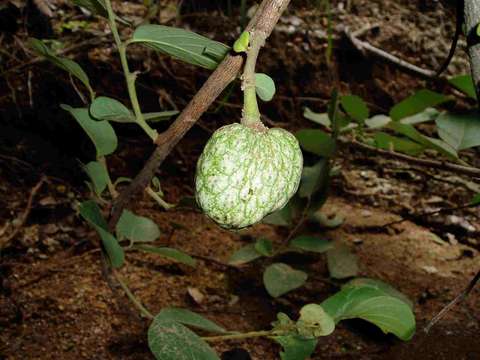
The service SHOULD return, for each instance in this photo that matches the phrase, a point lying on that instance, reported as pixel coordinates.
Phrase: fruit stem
(250, 113)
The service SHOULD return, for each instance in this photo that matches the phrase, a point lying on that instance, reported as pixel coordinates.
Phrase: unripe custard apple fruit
(246, 173)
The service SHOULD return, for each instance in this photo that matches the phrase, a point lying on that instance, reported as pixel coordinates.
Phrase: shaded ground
(54, 302)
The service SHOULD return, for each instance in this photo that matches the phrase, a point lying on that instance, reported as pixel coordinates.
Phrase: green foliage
(476, 200)
(416, 103)
(465, 84)
(169, 253)
(264, 247)
(314, 322)
(316, 141)
(355, 107)
(389, 313)
(68, 65)
(342, 263)
(98, 174)
(96, 7)
(241, 44)
(244, 255)
(189, 318)
(136, 228)
(310, 243)
(280, 278)
(264, 86)
(90, 211)
(459, 131)
(170, 340)
(105, 108)
(181, 44)
(400, 144)
(100, 132)
(296, 347)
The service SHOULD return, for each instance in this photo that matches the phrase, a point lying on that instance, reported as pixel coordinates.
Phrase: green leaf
(281, 278)
(426, 115)
(393, 143)
(416, 103)
(459, 131)
(98, 174)
(68, 65)
(381, 286)
(169, 253)
(465, 84)
(435, 144)
(389, 313)
(170, 340)
(189, 318)
(264, 247)
(310, 243)
(342, 263)
(244, 255)
(241, 44)
(314, 322)
(264, 86)
(316, 141)
(296, 347)
(100, 132)
(181, 44)
(282, 217)
(355, 107)
(378, 121)
(105, 108)
(137, 228)
(90, 211)
(476, 200)
(318, 118)
(314, 178)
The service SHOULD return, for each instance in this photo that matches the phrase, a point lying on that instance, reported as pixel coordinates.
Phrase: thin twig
(23, 218)
(365, 47)
(460, 297)
(436, 164)
(264, 20)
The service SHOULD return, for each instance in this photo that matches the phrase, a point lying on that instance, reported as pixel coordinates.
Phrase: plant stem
(243, 335)
(251, 114)
(111, 188)
(143, 310)
(158, 199)
(129, 76)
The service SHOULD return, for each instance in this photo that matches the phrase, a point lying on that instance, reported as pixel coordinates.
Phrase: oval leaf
(169, 253)
(342, 263)
(105, 108)
(314, 322)
(100, 132)
(459, 131)
(170, 340)
(296, 347)
(264, 86)
(355, 107)
(98, 174)
(65, 64)
(241, 44)
(316, 141)
(137, 228)
(310, 243)
(318, 118)
(281, 278)
(416, 103)
(389, 313)
(244, 255)
(181, 44)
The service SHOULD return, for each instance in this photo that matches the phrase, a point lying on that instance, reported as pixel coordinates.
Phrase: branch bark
(472, 20)
(264, 21)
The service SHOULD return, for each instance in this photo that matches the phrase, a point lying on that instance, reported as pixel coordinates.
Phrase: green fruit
(246, 173)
